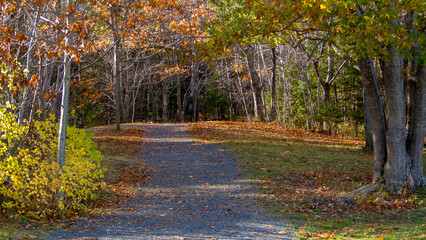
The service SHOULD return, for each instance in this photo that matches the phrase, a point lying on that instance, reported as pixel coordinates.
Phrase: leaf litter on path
(193, 191)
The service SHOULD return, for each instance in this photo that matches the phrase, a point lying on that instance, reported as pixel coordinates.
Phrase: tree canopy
(336, 66)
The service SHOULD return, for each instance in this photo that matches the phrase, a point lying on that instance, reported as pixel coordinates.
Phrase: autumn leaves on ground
(125, 169)
(300, 173)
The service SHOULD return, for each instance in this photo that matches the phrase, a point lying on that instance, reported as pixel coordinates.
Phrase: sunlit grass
(294, 166)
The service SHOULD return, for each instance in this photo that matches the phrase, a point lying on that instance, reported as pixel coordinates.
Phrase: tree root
(348, 198)
(364, 190)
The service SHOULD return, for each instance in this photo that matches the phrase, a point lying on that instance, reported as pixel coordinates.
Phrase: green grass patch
(294, 166)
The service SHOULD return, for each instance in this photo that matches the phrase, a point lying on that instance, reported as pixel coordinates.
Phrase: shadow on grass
(297, 166)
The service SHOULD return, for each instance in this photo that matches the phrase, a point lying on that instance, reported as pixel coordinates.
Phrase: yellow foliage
(31, 182)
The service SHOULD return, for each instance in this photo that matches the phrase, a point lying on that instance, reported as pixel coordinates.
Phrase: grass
(13, 232)
(294, 166)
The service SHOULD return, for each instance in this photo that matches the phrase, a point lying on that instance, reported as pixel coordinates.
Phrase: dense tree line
(347, 67)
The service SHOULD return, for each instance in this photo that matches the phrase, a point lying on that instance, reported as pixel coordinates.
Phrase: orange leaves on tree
(71, 9)
(50, 95)
(34, 80)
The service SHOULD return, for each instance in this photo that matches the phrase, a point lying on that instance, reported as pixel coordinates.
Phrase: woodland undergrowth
(32, 183)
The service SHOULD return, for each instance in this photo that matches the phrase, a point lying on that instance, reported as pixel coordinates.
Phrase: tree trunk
(375, 109)
(255, 84)
(63, 120)
(179, 100)
(416, 140)
(117, 82)
(369, 145)
(395, 171)
(195, 82)
(273, 114)
(165, 101)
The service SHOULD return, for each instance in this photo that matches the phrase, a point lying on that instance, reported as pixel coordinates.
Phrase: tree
(389, 32)
(395, 33)
(63, 119)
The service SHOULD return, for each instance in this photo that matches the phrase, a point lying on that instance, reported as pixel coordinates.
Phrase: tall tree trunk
(255, 83)
(179, 100)
(117, 81)
(375, 109)
(165, 96)
(240, 90)
(23, 110)
(63, 120)
(416, 140)
(195, 82)
(286, 88)
(396, 167)
(369, 143)
(417, 112)
(262, 80)
(273, 114)
(44, 89)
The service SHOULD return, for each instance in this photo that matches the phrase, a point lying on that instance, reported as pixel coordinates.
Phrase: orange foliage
(270, 130)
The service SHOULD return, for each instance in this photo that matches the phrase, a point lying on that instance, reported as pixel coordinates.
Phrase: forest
(340, 67)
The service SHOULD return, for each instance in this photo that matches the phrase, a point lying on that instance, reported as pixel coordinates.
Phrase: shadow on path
(194, 192)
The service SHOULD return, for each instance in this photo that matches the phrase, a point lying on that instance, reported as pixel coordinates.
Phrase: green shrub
(31, 182)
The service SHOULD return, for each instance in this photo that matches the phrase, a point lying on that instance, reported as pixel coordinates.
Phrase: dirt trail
(194, 192)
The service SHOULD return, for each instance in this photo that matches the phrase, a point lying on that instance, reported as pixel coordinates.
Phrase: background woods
(353, 68)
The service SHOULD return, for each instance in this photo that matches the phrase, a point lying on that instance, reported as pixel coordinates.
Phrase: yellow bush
(31, 182)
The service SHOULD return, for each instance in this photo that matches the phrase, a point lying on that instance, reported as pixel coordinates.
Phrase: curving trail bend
(194, 192)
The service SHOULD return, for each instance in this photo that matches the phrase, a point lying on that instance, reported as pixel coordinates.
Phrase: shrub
(31, 182)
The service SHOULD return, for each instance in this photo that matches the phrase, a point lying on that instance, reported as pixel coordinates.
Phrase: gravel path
(194, 192)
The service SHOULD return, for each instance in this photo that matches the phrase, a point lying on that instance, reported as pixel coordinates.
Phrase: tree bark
(165, 101)
(117, 82)
(195, 82)
(396, 167)
(179, 100)
(417, 139)
(273, 114)
(369, 143)
(255, 84)
(63, 120)
(375, 109)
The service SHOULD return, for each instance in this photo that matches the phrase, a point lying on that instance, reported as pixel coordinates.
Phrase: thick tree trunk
(396, 173)
(255, 84)
(416, 139)
(375, 109)
(417, 113)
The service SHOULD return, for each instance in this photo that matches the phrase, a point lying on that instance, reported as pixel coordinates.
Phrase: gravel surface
(194, 192)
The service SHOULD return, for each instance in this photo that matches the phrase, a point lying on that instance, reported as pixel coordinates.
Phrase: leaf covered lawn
(120, 151)
(301, 173)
